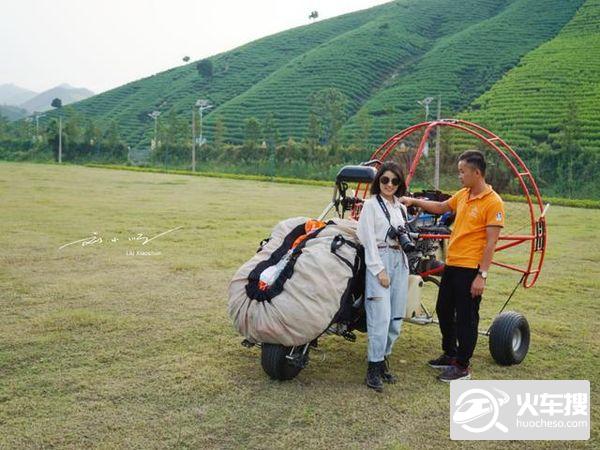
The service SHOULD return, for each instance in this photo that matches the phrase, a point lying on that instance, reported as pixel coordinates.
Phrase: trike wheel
(509, 338)
(275, 363)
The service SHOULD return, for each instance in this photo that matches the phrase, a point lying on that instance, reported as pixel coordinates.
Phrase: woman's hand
(383, 278)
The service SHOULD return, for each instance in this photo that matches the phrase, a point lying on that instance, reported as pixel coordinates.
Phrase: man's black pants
(458, 313)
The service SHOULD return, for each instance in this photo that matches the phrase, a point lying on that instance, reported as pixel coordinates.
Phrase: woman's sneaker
(455, 372)
(443, 362)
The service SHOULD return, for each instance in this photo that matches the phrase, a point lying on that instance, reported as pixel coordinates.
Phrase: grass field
(101, 348)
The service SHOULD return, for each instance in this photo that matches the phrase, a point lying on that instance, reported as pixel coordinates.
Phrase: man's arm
(492, 233)
(438, 208)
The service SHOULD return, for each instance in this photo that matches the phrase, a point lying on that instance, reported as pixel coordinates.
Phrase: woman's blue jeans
(386, 307)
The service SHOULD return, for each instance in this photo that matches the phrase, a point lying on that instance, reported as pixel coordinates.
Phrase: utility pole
(60, 139)
(425, 103)
(37, 125)
(271, 156)
(193, 140)
(436, 179)
(154, 115)
(202, 104)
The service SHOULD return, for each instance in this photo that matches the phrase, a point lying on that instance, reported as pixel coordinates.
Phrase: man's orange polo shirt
(468, 237)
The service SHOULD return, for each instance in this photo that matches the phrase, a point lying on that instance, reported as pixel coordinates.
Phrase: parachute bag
(291, 290)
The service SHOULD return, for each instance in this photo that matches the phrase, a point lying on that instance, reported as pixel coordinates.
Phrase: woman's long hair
(392, 167)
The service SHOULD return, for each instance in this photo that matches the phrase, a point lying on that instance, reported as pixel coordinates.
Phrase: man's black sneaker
(443, 362)
(373, 379)
(455, 372)
(386, 375)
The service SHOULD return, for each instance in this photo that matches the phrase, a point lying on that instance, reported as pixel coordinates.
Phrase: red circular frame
(537, 238)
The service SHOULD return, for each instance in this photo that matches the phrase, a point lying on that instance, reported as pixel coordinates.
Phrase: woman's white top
(373, 227)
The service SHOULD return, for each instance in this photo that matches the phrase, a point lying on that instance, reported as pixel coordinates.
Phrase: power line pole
(60, 139)
(154, 115)
(193, 140)
(37, 125)
(425, 103)
(436, 180)
(202, 104)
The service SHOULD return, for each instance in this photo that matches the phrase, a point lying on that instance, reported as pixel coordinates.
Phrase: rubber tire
(431, 279)
(502, 331)
(275, 364)
(437, 282)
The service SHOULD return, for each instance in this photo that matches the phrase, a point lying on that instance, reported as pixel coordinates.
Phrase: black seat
(351, 174)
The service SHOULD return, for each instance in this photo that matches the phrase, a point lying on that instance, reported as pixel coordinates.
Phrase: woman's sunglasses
(386, 180)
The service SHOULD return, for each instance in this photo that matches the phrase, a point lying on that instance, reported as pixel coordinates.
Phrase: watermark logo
(520, 410)
(96, 239)
(478, 410)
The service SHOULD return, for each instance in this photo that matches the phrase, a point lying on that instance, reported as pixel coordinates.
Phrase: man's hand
(438, 208)
(477, 286)
(492, 234)
(408, 201)
(383, 278)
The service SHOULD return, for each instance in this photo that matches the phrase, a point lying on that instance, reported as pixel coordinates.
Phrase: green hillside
(357, 63)
(465, 64)
(12, 112)
(382, 59)
(556, 84)
(235, 72)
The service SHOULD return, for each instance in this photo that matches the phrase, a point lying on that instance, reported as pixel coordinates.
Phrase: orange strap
(310, 226)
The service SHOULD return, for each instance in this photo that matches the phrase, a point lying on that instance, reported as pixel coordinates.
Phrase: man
(479, 218)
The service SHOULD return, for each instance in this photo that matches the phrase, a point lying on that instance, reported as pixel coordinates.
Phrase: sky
(102, 44)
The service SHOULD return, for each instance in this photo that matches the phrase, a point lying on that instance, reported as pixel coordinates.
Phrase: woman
(386, 288)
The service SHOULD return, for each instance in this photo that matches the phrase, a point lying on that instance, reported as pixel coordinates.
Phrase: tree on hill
(91, 137)
(252, 137)
(186, 59)
(72, 135)
(174, 139)
(205, 68)
(570, 128)
(112, 140)
(91, 133)
(313, 15)
(329, 106)
(313, 135)
(390, 121)
(52, 134)
(252, 131)
(270, 131)
(72, 126)
(363, 121)
(219, 139)
(569, 156)
(271, 137)
(4, 127)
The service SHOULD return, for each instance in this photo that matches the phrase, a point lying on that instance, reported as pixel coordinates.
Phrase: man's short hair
(475, 158)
